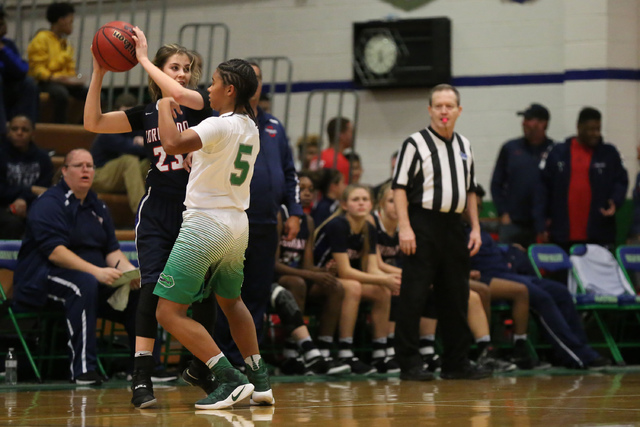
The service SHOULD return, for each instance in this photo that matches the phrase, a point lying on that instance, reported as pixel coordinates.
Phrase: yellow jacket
(50, 56)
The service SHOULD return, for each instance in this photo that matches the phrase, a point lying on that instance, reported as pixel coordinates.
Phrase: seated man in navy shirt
(549, 300)
(70, 255)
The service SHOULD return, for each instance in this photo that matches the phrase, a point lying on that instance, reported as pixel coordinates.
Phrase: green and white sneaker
(259, 377)
(234, 387)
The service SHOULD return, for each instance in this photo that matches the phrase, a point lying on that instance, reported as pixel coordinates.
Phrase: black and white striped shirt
(435, 173)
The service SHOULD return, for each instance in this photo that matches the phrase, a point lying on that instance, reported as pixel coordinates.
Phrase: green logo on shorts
(166, 280)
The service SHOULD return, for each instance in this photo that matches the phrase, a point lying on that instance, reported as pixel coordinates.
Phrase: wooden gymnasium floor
(547, 398)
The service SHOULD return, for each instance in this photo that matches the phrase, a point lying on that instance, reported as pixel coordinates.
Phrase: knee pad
(146, 323)
(286, 307)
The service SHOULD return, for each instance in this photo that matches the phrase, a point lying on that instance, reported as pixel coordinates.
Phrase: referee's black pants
(441, 259)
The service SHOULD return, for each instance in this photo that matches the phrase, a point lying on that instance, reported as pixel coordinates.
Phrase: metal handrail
(275, 60)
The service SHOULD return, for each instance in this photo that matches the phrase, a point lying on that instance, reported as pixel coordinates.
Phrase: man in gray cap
(516, 185)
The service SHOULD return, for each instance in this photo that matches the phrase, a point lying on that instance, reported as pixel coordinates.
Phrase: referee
(433, 183)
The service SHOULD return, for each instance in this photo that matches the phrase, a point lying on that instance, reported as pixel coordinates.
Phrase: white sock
(484, 338)
(426, 350)
(517, 337)
(215, 359)
(143, 353)
(253, 361)
(430, 337)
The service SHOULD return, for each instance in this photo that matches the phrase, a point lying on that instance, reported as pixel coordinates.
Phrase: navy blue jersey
(336, 237)
(389, 246)
(58, 218)
(292, 251)
(274, 181)
(167, 173)
(323, 209)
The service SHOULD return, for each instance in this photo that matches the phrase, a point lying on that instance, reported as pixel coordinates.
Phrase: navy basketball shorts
(159, 221)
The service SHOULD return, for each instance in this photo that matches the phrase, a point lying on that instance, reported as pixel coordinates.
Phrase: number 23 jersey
(167, 173)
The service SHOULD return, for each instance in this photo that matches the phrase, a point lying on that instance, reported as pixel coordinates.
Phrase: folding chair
(622, 299)
(628, 257)
(549, 258)
(8, 260)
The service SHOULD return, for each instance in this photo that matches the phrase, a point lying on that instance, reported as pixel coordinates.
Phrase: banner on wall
(407, 5)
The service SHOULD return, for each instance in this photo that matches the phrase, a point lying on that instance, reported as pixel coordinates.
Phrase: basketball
(114, 47)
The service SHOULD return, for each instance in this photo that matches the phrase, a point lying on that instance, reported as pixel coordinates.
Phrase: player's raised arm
(174, 141)
(169, 86)
(94, 119)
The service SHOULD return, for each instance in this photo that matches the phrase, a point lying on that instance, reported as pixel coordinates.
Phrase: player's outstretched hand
(97, 68)
(141, 44)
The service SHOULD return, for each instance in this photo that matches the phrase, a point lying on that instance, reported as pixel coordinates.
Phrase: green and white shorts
(213, 240)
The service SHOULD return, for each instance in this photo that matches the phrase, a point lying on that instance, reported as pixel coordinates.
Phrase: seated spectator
(550, 301)
(331, 186)
(307, 151)
(52, 60)
(18, 93)
(356, 166)
(25, 172)
(70, 255)
(350, 241)
(340, 136)
(120, 160)
(296, 273)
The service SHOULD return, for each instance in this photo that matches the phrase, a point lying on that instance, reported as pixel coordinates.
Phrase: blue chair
(548, 258)
(628, 257)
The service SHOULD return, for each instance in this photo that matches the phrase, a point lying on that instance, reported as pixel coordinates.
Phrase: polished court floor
(565, 398)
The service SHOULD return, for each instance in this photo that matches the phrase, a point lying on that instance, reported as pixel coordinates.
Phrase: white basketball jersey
(222, 169)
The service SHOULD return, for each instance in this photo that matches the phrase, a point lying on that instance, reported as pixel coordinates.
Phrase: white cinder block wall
(575, 44)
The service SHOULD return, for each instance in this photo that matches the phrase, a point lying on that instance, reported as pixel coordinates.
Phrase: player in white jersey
(214, 233)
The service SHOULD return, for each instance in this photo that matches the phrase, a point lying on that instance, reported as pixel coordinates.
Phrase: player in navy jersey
(296, 273)
(331, 185)
(160, 211)
(350, 241)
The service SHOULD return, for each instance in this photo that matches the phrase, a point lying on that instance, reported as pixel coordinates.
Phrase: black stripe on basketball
(98, 53)
(108, 39)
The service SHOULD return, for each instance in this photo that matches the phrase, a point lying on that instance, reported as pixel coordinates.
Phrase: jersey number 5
(175, 165)
(241, 165)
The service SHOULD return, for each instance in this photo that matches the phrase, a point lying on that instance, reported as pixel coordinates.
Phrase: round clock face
(380, 54)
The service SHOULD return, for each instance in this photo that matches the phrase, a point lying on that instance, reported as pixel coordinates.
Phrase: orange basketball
(114, 47)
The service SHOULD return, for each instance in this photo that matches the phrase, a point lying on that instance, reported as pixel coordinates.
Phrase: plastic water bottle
(11, 367)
